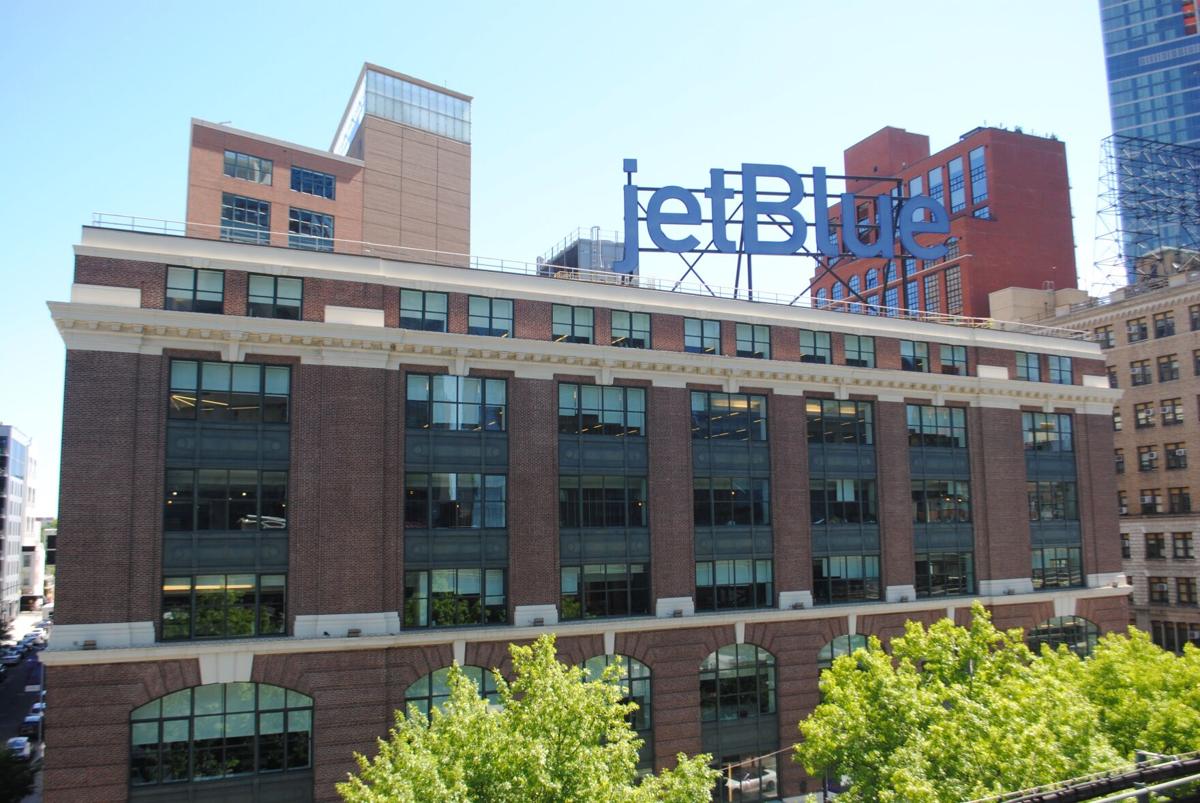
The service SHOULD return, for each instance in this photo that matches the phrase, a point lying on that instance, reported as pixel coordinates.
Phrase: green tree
(16, 778)
(553, 737)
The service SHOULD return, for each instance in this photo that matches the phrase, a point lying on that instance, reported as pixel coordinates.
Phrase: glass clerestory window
(275, 297)
(458, 403)
(492, 317)
(724, 501)
(958, 192)
(311, 231)
(631, 330)
(729, 416)
(454, 597)
(592, 500)
(754, 340)
(605, 589)
(979, 183)
(245, 220)
(594, 410)
(454, 501)
(732, 584)
(223, 606)
(815, 347)
(941, 501)
(248, 168)
(573, 324)
(423, 310)
(313, 182)
(1047, 432)
(225, 499)
(222, 730)
(233, 392)
(433, 690)
(942, 427)
(192, 290)
(701, 336)
(844, 422)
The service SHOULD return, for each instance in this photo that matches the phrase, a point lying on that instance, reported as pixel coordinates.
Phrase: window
(1136, 330)
(1111, 370)
(1151, 499)
(462, 403)
(911, 299)
(1057, 567)
(1078, 634)
(845, 578)
(1173, 636)
(737, 683)
(701, 336)
(223, 606)
(1122, 504)
(443, 500)
(313, 182)
(433, 690)
(605, 589)
(983, 213)
(454, 597)
(1126, 551)
(1168, 367)
(594, 410)
(225, 499)
(1176, 455)
(1147, 458)
(631, 330)
(860, 351)
(1047, 432)
(573, 324)
(1164, 324)
(953, 290)
(1159, 590)
(839, 646)
(958, 193)
(1181, 544)
(1104, 336)
(423, 310)
(1172, 412)
(941, 501)
(1196, 362)
(634, 680)
(1156, 546)
(275, 297)
(192, 290)
(311, 231)
(754, 340)
(490, 317)
(932, 293)
(842, 501)
(1060, 370)
(248, 168)
(891, 271)
(729, 416)
(953, 248)
(844, 422)
(954, 360)
(1194, 317)
(1119, 460)
(872, 279)
(1143, 415)
(221, 391)
(729, 584)
(821, 302)
(245, 220)
(724, 501)
(1139, 373)
(1052, 501)
(1029, 366)
(914, 356)
(939, 427)
(935, 184)
(944, 574)
(891, 301)
(601, 501)
(221, 730)
(979, 187)
(815, 347)
(1179, 500)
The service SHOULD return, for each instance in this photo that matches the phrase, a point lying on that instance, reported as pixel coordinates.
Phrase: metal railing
(211, 231)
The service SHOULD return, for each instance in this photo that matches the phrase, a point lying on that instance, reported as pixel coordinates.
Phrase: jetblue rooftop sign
(772, 209)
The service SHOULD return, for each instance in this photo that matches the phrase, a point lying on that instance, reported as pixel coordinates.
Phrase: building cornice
(1139, 306)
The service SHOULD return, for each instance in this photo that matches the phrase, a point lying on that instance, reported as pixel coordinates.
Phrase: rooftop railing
(210, 231)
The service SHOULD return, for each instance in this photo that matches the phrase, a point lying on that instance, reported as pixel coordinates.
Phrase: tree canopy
(958, 713)
(553, 737)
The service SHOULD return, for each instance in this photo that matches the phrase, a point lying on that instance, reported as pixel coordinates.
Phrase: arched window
(854, 286)
(952, 248)
(222, 730)
(872, 278)
(891, 272)
(1077, 633)
(838, 290)
(842, 645)
(430, 691)
(635, 682)
(822, 295)
(737, 682)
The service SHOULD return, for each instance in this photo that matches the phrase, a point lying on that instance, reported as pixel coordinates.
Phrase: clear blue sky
(96, 102)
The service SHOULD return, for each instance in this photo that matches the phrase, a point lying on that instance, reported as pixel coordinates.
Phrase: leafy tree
(16, 778)
(553, 737)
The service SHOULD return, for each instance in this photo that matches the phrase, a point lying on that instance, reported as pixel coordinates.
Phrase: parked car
(754, 781)
(12, 657)
(38, 708)
(31, 726)
(20, 747)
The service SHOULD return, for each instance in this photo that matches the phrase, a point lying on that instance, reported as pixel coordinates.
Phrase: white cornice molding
(91, 327)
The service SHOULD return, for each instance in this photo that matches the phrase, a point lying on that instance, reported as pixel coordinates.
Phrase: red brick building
(1008, 201)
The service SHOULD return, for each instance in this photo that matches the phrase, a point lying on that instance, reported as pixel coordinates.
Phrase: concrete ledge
(900, 593)
(229, 667)
(339, 625)
(525, 615)
(107, 635)
(795, 600)
(991, 371)
(665, 607)
(107, 296)
(355, 316)
(1114, 579)
(1002, 588)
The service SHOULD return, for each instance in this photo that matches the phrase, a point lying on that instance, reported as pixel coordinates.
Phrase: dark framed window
(1060, 370)
(958, 191)
(891, 301)
(1104, 336)
(737, 682)
(1147, 458)
(1143, 415)
(1179, 500)
(1116, 417)
(839, 646)
(1152, 502)
(1196, 362)
(1057, 567)
(729, 416)
(221, 730)
(311, 231)
(1194, 317)
(1156, 546)
(937, 426)
(1181, 546)
(595, 410)
(945, 574)
(605, 589)
(424, 310)
(462, 403)
(1126, 549)
(248, 168)
(491, 317)
(1078, 634)
(1122, 503)
(456, 597)
(860, 351)
(1048, 432)
(1139, 373)
(953, 359)
(631, 330)
(936, 191)
(753, 340)
(433, 690)
(731, 584)
(1174, 636)
(846, 578)
(1168, 368)
(635, 682)
(914, 356)
(843, 501)
(313, 182)
(954, 303)
(275, 297)
(1136, 330)
(1160, 592)
(1164, 324)
(592, 500)
(1029, 366)
(1185, 591)
(245, 220)
(455, 501)
(223, 606)
(1052, 501)
(941, 501)
(225, 499)
(1172, 412)
(234, 392)
(933, 300)
(701, 336)
(845, 422)
(573, 324)
(1113, 381)
(979, 183)
(723, 501)
(1119, 460)
(815, 347)
(193, 290)
(982, 212)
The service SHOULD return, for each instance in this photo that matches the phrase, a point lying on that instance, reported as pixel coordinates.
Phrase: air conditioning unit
(1124, 511)
(1181, 452)
(1151, 455)
(1147, 500)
